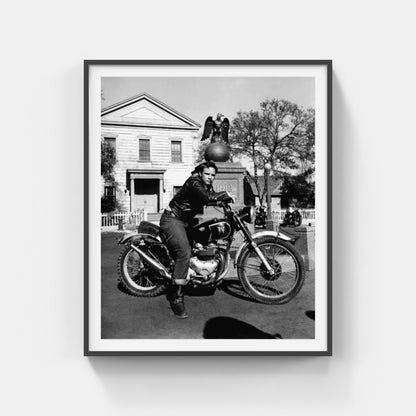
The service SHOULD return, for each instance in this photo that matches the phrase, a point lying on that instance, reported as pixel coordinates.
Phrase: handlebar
(241, 213)
(227, 199)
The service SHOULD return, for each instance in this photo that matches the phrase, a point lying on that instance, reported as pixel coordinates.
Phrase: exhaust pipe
(153, 263)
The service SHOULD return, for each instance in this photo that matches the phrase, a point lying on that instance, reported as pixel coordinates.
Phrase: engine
(204, 261)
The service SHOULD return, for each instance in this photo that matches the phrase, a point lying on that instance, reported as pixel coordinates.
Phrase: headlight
(248, 213)
(252, 214)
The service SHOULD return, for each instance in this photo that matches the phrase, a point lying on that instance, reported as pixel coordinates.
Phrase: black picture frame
(325, 166)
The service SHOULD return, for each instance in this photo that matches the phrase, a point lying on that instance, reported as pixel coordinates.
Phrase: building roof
(147, 111)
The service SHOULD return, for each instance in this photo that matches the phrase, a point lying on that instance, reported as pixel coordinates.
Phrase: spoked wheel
(136, 277)
(279, 286)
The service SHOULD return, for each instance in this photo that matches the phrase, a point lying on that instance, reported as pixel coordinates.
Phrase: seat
(147, 227)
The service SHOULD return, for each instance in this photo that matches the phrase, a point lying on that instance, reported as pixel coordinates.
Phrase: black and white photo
(208, 207)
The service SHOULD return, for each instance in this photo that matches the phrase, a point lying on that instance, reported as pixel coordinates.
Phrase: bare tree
(246, 140)
(287, 142)
(281, 133)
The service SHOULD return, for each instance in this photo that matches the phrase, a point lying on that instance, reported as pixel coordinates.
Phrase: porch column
(131, 193)
(161, 194)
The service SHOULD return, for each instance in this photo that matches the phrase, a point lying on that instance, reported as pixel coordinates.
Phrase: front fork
(262, 257)
(254, 245)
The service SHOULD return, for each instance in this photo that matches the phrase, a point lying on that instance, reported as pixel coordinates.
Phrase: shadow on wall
(223, 327)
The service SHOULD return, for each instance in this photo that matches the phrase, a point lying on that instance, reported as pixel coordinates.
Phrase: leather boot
(177, 304)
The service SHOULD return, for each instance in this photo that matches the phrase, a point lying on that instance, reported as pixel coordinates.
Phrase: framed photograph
(208, 213)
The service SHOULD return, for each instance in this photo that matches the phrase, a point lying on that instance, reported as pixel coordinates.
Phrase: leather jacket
(193, 195)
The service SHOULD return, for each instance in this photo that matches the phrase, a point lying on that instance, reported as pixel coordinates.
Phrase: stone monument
(230, 175)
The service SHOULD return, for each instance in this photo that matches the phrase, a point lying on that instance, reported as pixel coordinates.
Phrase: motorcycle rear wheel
(277, 288)
(136, 277)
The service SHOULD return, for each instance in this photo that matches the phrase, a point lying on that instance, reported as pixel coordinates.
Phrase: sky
(200, 97)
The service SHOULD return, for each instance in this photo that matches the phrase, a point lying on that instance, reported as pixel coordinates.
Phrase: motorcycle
(269, 267)
(293, 218)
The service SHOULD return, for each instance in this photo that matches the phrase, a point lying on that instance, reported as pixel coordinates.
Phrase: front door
(146, 195)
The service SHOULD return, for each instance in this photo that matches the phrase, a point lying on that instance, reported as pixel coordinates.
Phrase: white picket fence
(113, 219)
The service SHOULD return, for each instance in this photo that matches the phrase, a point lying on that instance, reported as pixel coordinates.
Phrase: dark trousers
(178, 246)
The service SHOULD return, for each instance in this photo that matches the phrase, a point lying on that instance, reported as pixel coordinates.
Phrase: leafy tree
(107, 205)
(200, 152)
(307, 163)
(108, 160)
(281, 133)
(246, 139)
(298, 188)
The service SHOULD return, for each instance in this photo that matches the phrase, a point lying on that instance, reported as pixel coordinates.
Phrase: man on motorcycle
(196, 192)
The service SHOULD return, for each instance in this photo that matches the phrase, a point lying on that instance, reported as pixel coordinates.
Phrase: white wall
(43, 371)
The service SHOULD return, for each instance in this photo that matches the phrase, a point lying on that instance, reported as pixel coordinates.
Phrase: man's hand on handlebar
(229, 198)
(226, 198)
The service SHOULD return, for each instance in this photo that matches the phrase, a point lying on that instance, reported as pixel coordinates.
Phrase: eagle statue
(216, 130)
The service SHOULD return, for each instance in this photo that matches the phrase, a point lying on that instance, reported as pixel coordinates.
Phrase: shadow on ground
(234, 288)
(310, 314)
(223, 327)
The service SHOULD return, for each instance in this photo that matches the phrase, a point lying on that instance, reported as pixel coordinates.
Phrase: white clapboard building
(154, 152)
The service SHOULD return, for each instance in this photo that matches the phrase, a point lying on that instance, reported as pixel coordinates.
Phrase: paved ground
(228, 313)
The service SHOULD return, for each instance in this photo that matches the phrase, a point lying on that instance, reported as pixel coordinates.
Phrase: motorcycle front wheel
(272, 288)
(136, 277)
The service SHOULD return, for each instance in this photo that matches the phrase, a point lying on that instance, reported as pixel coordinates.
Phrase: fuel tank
(214, 229)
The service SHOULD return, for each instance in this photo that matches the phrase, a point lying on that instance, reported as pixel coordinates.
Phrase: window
(144, 149)
(176, 148)
(110, 192)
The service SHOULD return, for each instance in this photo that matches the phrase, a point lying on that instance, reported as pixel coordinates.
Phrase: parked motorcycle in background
(293, 217)
(269, 266)
(261, 215)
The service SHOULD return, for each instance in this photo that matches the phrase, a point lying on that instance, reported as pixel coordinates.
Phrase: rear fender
(138, 236)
